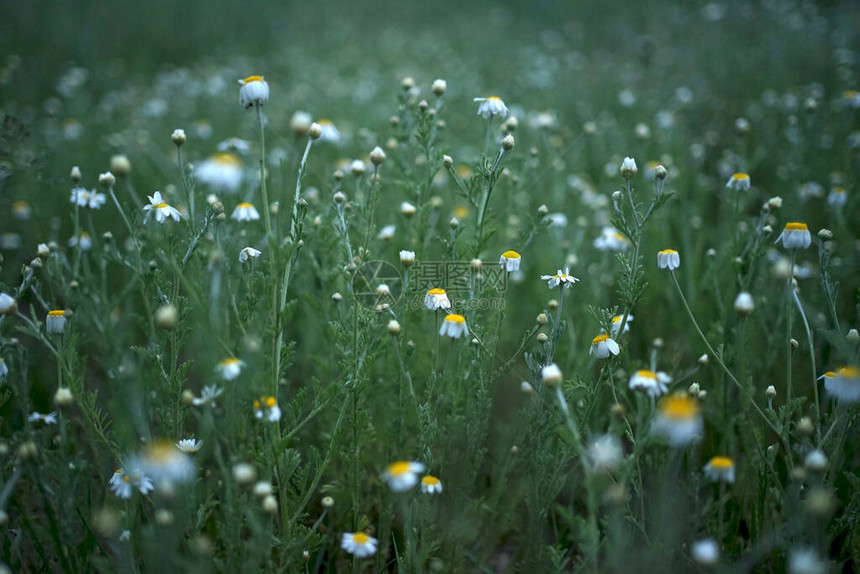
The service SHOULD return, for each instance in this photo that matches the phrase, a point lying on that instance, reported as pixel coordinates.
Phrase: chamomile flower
(510, 260)
(837, 197)
(387, 232)
(254, 91)
(615, 324)
(237, 145)
(48, 419)
(407, 258)
(4, 369)
(96, 200)
(84, 241)
(221, 172)
(843, 384)
(795, 236)
(248, 253)
(80, 197)
(431, 485)
(739, 182)
(8, 304)
(267, 408)
(55, 322)
(358, 544)
(602, 346)
(230, 368)
(706, 551)
(161, 209)
(436, 298)
(165, 463)
(454, 326)
(648, 382)
(189, 445)
(21, 210)
(207, 396)
(122, 483)
(245, 212)
(402, 475)
(328, 133)
(491, 106)
(611, 240)
(678, 420)
(563, 278)
(668, 259)
(720, 469)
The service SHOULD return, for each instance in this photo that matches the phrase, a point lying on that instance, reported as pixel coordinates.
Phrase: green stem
(812, 360)
(294, 222)
(263, 187)
(788, 318)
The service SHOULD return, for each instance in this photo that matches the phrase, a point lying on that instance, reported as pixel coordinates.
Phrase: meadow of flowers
(450, 289)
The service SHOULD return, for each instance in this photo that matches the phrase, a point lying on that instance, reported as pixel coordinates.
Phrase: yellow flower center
(257, 405)
(126, 478)
(250, 79)
(511, 255)
(599, 339)
(848, 371)
(795, 226)
(20, 205)
(461, 212)
(829, 374)
(160, 451)
(668, 252)
(161, 205)
(225, 158)
(464, 171)
(60, 313)
(679, 406)
(617, 236)
(652, 164)
(454, 318)
(399, 468)
(271, 402)
(647, 374)
(430, 480)
(721, 463)
(740, 176)
(324, 122)
(495, 98)
(245, 206)
(229, 362)
(360, 538)
(839, 190)
(617, 319)
(849, 94)
(436, 291)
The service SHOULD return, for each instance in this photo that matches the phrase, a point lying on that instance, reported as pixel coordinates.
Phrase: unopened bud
(63, 397)
(120, 165)
(393, 327)
(454, 223)
(794, 344)
(187, 397)
(377, 156)
(852, 337)
(542, 319)
(616, 196)
(407, 83)
(167, 317)
(447, 161)
(703, 359)
(327, 501)
(107, 180)
(339, 197)
(439, 87)
(75, 174)
(660, 173)
(825, 234)
(315, 131)
(178, 137)
(508, 142)
(744, 304)
(805, 426)
(542, 338)
(270, 504)
(336, 297)
(774, 203)
(770, 392)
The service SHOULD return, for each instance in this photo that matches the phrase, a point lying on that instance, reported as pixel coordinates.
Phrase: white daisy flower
(604, 453)
(8, 304)
(402, 475)
(407, 258)
(837, 197)
(221, 172)
(358, 544)
(843, 384)
(122, 484)
(161, 209)
(795, 236)
(235, 145)
(611, 240)
(96, 200)
(165, 463)
(668, 259)
(628, 167)
(678, 420)
(739, 182)
(510, 260)
(245, 212)
(491, 106)
(80, 197)
(55, 322)
(648, 382)
(720, 469)
(454, 326)
(248, 253)
(551, 374)
(48, 419)
(615, 324)
(602, 346)
(705, 552)
(207, 396)
(267, 407)
(560, 278)
(387, 232)
(230, 368)
(329, 132)
(436, 298)
(4, 369)
(189, 445)
(431, 485)
(84, 240)
(254, 91)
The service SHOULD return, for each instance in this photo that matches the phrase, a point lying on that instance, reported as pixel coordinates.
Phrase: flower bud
(407, 83)
(852, 337)
(336, 297)
(63, 397)
(393, 327)
(660, 173)
(178, 137)
(301, 123)
(270, 504)
(628, 168)
(377, 156)
(805, 426)
(542, 338)
(244, 473)
(447, 161)
(703, 359)
(770, 392)
(327, 501)
(439, 87)
(120, 165)
(542, 319)
(508, 142)
(315, 131)
(339, 197)
(166, 317)
(825, 234)
(75, 174)
(107, 180)
(744, 303)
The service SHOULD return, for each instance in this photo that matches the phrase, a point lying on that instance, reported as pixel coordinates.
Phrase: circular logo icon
(377, 285)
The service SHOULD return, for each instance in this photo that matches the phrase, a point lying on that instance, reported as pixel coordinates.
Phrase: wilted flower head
(253, 91)
(795, 236)
(491, 106)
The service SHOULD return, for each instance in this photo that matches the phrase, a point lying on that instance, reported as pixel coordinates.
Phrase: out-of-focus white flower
(4, 369)
(21, 210)
(651, 383)
(551, 374)
(230, 368)
(267, 408)
(678, 420)
(837, 197)
(358, 544)
(431, 485)
(720, 469)
(245, 212)
(8, 305)
(207, 396)
(84, 241)
(491, 106)
(122, 483)
(615, 324)
(165, 463)
(611, 240)
(80, 196)
(805, 561)
(248, 253)
(843, 384)
(604, 453)
(387, 232)
(48, 419)
(221, 172)
(454, 326)
(329, 133)
(402, 475)
(739, 182)
(253, 91)
(189, 445)
(235, 145)
(744, 303)
(705, 552)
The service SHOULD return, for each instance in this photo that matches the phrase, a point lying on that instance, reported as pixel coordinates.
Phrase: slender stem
(720, 360)
(489, 134)
(77, 238)
(554, 335)
(812, 360)
(263, 187)
(788, 318)
(295, 220)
